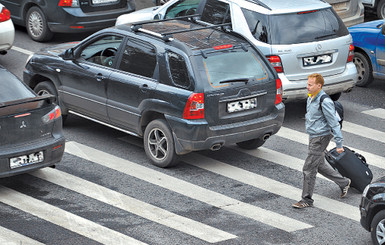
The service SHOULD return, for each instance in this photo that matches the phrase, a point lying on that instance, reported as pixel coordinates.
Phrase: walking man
(322, 126)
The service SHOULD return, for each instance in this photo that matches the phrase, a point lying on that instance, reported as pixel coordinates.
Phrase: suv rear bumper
(194, 135)
(343, 82)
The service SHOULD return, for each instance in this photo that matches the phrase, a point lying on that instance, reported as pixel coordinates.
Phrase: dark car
(43, 18)
(369, 47)
(372, 208)
(31, 134)
(181, 86)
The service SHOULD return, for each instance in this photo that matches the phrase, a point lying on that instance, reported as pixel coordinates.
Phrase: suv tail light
(5, 15)
(275, 61)
(195, 107)
(69, 3)
(278, 96)
(52, 115)
(351, 53)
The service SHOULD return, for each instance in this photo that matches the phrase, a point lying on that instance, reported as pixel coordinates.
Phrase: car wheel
(381, 9)
(37, 26)
(378, 228)
(46, 87)
(364, 69)
(251, 144)
(159, 144)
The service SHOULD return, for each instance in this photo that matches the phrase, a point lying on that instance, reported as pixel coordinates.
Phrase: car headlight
(365, 191)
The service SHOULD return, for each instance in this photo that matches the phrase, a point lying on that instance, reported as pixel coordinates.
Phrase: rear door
(380, 52)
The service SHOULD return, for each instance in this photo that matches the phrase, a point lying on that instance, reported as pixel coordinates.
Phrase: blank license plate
(103, 1)
(241, 105)
(25, 160)
(317, 60)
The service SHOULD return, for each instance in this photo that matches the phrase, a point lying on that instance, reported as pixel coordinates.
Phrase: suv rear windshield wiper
(236, 80)
(327, 35)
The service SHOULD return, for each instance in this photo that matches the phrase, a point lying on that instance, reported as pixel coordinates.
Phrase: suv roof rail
(166, 36)
(164, 20)
(259, 3)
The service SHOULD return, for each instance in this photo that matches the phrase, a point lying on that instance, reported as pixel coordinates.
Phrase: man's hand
(340, 150)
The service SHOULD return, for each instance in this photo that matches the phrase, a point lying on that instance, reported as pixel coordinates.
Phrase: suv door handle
(99, 77)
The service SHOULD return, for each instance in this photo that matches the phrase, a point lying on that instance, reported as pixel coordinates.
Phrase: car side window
(216, 12)
(182, 8)
(139, 58)
(258, 25)
(102, 51)
(178, 69)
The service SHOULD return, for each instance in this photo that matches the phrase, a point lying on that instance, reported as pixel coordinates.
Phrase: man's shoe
(344, 190)
(302, 204)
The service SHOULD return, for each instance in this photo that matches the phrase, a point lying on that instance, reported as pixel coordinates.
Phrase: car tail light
(5, 15)
(69, 3)
(195, 107)
(52, 115)
(225, 46)
(351, 53)
(278, 96)
(275, 61)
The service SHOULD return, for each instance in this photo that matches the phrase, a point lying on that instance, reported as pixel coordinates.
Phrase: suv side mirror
(68, 54)
(158, 17)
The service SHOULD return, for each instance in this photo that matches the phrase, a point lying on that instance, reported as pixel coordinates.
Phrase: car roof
(179, 33)
(284, 6)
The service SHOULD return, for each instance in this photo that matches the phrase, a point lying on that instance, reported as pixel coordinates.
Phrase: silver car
(298, 37)
(351, 12)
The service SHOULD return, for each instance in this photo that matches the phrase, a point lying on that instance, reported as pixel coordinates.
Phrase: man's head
(315, 82)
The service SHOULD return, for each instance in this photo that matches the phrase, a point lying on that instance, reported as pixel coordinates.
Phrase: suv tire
(381, 9)
(159, 144)
(251, 144)
(364, 69)
(378, 222)
(37, 26)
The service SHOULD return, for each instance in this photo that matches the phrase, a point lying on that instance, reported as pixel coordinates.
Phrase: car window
(216, 12)
(138, 58)
(13, 89)
(306, 26)
(224, 68)
(258, 25)
(178, 69)
(182, 8)
(102, 51)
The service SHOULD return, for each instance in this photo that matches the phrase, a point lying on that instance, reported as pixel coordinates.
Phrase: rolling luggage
(352, 165)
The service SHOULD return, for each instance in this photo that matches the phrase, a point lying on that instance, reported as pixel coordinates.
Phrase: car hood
(139, 15)
(58, 49)
(367, 25)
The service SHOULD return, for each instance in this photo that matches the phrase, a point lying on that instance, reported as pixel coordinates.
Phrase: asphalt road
(105, 190)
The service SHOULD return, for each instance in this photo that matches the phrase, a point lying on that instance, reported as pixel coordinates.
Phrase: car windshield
(306, 26)
(12, 89)
(224, 68)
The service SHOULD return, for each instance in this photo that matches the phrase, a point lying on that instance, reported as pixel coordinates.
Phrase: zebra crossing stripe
(185, 188)
(372, 159)
(378, 112)
(9, 237)
(63, 218)
(364, 131)
(270, 185)
(148, 211)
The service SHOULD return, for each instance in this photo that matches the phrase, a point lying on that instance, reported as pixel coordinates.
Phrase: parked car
(375, 6)
(369, 44)
(372, 209)
(31, 134)
(289, 34)
(7, 30)
(180, 87)
(351, 12)
(43, 18)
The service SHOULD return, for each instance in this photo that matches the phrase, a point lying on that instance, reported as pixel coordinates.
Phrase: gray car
(298, 38)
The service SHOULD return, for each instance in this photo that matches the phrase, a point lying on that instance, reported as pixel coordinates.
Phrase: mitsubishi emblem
(23, 125)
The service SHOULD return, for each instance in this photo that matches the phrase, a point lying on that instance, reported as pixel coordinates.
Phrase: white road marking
(185, 188)
(129, 204)
(21, 50)
(378, 112)
(9, 237)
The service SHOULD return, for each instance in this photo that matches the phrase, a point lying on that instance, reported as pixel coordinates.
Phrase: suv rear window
(301, 27)
(237, 65)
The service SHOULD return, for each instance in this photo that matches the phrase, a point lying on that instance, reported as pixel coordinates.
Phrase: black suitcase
(352, 165)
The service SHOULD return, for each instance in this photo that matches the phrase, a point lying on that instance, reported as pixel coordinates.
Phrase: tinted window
(102, 51)
(224, 67)
(258, 25)
(138, 58)
(178, 69)
(12, 89)
(306, 27)
(216, 12)
(181, 8)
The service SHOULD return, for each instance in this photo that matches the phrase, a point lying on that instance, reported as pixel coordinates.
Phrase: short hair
(318, 78)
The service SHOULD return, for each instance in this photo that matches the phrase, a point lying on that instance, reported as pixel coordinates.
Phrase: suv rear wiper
(327, 35)
(236, 80)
